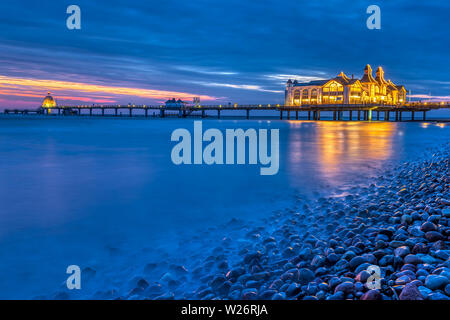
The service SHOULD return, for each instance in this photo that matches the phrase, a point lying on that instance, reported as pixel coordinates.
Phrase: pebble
(410, 292)
(346, 287)
(371, 295)
(435, 282)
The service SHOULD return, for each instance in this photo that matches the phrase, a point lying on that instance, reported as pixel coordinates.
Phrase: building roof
(344, 80)
(380, 76)
(174, 100)
(392, 87)
(311, 83)
(353, 81)
(343, 76)
(367, 77)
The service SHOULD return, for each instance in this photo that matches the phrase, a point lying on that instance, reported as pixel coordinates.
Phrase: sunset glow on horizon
(34, 90)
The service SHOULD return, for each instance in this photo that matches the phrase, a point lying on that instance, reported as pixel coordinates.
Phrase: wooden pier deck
(360, 112)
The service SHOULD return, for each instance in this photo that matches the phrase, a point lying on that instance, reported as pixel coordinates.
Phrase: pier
(352, 112)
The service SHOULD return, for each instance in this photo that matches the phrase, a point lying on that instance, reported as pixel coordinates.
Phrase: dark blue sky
(237, 51)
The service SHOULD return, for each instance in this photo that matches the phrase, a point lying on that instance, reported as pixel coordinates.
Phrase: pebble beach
(322, 249)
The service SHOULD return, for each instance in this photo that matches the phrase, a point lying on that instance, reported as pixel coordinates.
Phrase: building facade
(345, 90)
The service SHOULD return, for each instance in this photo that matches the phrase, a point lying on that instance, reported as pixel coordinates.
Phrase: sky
(145, 52)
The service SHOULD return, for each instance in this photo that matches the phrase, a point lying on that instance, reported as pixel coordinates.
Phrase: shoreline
(321, 250)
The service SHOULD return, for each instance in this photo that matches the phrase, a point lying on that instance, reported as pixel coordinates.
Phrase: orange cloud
(25, 87)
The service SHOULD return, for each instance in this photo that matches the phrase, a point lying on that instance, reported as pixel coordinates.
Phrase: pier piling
(364, 111)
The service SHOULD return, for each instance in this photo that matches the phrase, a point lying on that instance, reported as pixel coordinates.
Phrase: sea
(93, 191)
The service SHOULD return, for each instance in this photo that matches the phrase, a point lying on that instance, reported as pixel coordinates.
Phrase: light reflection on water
(348, 142)
(339, 153)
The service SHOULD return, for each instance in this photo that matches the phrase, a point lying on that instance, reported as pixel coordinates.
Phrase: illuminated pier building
(345, 90)
(49, 102)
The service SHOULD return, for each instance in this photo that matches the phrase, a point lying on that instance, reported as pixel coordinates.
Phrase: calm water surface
(72, 189)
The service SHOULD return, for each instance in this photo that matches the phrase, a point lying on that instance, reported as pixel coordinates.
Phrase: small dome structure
(49, 102)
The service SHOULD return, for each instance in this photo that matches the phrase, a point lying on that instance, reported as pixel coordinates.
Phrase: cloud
(285, 77)
(186, 47)
(430, 97)
(205, 71)
(239, 86)
(68, 90)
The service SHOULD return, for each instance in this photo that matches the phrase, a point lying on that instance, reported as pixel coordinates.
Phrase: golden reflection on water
(338, 147)
(438, 124)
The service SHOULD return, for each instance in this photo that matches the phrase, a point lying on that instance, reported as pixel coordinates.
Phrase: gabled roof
(343, 76)
(391, 86)
(353, 81)
(340, 80)
(380, 76)
(367, 77)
